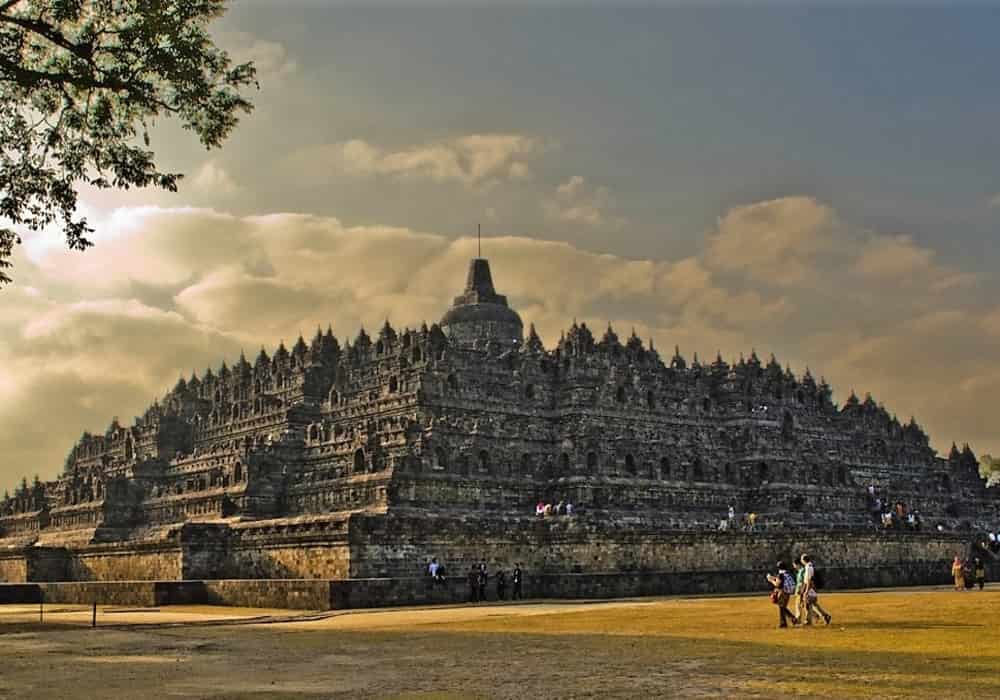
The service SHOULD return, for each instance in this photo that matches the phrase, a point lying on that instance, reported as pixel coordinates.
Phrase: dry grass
(890, 644)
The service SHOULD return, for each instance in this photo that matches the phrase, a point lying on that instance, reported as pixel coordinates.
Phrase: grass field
(887, 644)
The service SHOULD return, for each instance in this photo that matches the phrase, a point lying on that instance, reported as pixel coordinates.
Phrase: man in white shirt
(810, 598)
(432, 568)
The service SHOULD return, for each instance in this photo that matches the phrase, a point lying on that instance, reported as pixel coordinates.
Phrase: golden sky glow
(352, 195)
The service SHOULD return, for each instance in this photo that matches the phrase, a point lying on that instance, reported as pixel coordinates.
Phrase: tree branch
(47, 31)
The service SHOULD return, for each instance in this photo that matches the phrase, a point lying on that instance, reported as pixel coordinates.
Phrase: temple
(330, 461)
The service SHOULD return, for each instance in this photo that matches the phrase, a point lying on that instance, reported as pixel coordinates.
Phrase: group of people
(478, 579)
(891, 515)
(800, 587)
(748, 522)
(963, 571)
(545, 510)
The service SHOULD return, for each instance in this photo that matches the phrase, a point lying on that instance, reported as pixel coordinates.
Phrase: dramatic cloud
(775, 242)
(475, 160)
(577, 202)
(89, 336)
(897, 258)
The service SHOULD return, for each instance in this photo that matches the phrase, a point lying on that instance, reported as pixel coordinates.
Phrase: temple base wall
(399, 546)
(369, 560)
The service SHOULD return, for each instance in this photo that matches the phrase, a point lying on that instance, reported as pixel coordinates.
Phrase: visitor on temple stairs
(569, 509)
(783, 586)
(810, 596)
(515, 579)
(501, 577)
(958, 573)
(483, 577)
(980, 573)
(473, 584)
(540, 508)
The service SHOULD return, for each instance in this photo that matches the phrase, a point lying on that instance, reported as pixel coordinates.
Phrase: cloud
(211, 179)
(98, 334)
(577, 202)
(270, 57)
(994, 201)
(775, 242)
(474, 160)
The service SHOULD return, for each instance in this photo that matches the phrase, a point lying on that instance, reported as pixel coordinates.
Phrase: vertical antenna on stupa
(479, 239)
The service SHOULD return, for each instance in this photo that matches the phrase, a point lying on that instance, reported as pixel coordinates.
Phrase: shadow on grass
(914, 625)
(632, 666)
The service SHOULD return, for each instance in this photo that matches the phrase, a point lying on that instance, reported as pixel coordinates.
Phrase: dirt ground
(886, 644)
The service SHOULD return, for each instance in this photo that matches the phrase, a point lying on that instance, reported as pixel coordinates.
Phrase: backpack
(819, 580)
(788, 584)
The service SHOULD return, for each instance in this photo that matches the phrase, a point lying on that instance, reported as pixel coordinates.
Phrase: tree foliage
(82, 82)
(989, 469)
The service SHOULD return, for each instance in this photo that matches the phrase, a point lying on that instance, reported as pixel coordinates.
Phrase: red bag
(776, 594)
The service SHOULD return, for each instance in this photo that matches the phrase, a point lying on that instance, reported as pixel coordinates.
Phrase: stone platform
(685, 563)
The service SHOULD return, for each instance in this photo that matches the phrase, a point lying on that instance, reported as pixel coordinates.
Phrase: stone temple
(362, 461)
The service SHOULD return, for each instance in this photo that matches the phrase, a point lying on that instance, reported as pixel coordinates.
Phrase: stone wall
(251, 593)
(399, 547)
(124, 563)
(13, 565)
(421, 590)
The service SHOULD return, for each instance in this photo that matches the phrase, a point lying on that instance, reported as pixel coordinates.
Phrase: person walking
(958, 573)
(515, 579)
(798, 607)
(810, 596)
(783, 586)
(501, 578)
(980, 573)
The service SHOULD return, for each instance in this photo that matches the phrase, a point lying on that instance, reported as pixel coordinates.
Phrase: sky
(822, 183)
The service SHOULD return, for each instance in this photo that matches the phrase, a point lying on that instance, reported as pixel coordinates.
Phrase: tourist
(751, 522)
(958, 573)
(540, 509)
(483, 577)
(799, 571)
(501, 584)
(732, 514)
(569, 508)
(559, 507)
(783, 585)
(515, 579)
(473, 584)
(432, 568)
(980, 573)
(547, 512)
(810, 596)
